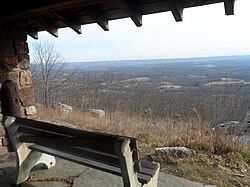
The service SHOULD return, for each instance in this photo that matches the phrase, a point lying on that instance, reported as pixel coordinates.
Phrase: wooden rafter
(48, 7)
(69, 22)
(33, 34)
(229, 7)
(49, 27)
(176, 7)
(74, 13)
(133, 11)
(95, 13)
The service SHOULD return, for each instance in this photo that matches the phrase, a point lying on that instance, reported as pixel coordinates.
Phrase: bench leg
(129, 175)
(26, 159)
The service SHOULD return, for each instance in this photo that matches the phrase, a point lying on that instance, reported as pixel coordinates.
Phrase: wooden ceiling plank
(52, 7)
(69, 22)
(95, 13)
(229, 7)
(133, 11)
(33, 34)
(176, 7)
(49, 27)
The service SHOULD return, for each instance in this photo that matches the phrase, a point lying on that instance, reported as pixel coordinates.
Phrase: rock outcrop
(238, 131)
(62, 107)
(229, 127)
(233, 128)
(96, 112)
(174, 151)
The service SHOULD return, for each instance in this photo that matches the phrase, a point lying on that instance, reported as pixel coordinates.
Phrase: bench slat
(149, 165)
(64, 146)
(143, 178)
(66, 130)
(103, 145)
(83, 161)
(147, 171)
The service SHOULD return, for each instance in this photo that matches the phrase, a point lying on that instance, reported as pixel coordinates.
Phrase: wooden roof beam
(176, 7)
(48, 7)
(33, 34)
(49, 27)
(95, 13)
(133, 11)
(229, 7)
(69, 22)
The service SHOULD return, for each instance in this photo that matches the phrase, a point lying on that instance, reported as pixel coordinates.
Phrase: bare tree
(50, 69)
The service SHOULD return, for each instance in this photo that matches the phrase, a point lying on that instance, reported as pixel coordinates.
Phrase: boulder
(31, 110)
(228, 127)
(96, 112)
(232, 128)
(174, 151)
(62, 107)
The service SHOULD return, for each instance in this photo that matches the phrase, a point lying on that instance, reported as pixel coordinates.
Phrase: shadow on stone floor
(65, 172)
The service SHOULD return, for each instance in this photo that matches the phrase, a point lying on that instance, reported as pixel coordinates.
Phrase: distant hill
(106, 65)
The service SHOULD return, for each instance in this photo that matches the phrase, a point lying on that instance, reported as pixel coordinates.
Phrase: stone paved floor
(67, 174)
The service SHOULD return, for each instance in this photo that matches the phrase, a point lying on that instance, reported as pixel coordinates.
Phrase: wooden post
(10, 102)
(10, 99)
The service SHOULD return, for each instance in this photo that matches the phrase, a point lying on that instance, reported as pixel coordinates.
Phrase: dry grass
(219, 161)
(150, 133)
(229, 170)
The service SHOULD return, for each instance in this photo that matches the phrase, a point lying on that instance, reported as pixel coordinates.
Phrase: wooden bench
(38, 142)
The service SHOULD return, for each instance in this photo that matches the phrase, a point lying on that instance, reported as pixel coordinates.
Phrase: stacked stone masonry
(15, 65)
(3, 142)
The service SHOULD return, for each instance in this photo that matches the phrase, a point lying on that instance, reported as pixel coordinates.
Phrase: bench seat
(148, 169)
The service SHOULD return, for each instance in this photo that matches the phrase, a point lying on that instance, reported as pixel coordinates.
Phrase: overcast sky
(205, 31)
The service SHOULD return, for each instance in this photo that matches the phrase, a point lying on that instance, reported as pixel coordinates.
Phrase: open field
(216, 87)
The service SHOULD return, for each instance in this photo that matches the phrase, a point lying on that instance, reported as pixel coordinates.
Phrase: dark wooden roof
(49, 15)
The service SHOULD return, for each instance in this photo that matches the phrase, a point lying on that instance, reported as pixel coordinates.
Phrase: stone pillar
(14, 65)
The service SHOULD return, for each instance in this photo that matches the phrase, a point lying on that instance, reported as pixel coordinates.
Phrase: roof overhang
(50, 15)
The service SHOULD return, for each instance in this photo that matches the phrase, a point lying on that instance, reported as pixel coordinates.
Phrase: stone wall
(14, 65)
(3, 142)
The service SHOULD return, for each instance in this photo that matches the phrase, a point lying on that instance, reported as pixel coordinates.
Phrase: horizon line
(170, 58)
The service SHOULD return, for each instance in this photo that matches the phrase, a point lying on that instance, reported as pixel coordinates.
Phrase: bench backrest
(99, 147)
